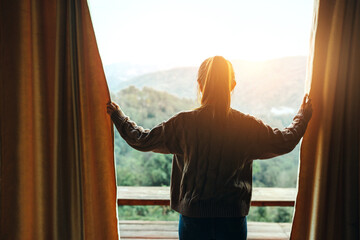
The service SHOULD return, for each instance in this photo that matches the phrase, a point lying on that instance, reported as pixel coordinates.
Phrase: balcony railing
(168, 230)
(284, 197)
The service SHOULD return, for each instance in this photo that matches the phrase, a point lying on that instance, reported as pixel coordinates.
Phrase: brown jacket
(212, 163)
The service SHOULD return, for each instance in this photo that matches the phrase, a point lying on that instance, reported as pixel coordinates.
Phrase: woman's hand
(306, 107)
(111, 107)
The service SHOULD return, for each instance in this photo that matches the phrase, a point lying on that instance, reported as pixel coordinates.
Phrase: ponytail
(216, 80)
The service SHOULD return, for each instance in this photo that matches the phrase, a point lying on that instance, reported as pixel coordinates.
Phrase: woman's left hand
(111, 107)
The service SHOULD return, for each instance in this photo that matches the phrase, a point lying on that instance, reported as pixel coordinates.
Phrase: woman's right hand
(306, 107)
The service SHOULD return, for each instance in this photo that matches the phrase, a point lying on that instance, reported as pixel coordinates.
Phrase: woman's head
(216, 80)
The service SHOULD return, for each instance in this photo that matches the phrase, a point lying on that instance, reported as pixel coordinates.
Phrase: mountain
(180, 82)
(119, 72)
(273, 86)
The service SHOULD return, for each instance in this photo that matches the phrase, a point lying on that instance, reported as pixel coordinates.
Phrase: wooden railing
(161, 196)
(132, 230)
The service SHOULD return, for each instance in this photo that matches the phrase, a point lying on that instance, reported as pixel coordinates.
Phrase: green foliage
(148, 107)
(150, 213)
(271, 214)
(159, 169)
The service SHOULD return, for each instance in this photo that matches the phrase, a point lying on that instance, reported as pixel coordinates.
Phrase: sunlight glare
(186, 32)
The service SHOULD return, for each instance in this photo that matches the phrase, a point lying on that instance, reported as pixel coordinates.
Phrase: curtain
(57, 162)
(327, 205)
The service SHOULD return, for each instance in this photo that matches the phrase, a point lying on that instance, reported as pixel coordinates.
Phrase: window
(151, 51)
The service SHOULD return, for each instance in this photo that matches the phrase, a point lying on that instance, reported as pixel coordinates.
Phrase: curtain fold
(327, 205)
(57, 163)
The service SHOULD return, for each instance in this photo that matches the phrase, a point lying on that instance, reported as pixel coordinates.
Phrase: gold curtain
(327, 205)
(57, 162)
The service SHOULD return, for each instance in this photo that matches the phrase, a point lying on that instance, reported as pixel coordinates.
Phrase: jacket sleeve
(269, 142)
(160, 139)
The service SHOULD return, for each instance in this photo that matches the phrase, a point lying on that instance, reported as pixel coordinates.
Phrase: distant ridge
(260, 85)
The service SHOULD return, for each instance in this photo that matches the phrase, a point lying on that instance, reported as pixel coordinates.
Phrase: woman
(213, 147)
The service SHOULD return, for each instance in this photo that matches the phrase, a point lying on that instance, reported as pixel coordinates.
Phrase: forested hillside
(148, 107)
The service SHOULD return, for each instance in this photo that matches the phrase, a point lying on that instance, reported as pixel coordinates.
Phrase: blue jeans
(212, 228)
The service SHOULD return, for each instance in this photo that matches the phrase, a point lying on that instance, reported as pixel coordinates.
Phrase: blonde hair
(216, 80)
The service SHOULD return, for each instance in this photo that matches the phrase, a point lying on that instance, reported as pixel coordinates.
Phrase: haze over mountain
(273, 86)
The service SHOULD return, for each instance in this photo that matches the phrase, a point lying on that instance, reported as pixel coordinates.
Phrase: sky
(186, 32)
